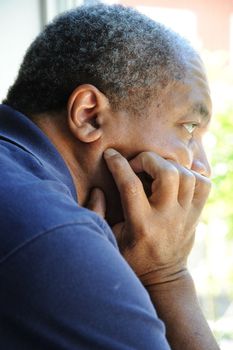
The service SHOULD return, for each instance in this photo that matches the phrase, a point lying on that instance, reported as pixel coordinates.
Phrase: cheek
(183, 155)
(175, 150)
(159, 140)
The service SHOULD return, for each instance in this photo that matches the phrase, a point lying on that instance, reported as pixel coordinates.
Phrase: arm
(157, 236)
(70, 288)
(177, 305)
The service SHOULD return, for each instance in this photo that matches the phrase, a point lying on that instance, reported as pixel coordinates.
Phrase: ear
(84, 109)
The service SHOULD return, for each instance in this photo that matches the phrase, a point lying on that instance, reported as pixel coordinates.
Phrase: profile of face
(173, 127)
(175, 124)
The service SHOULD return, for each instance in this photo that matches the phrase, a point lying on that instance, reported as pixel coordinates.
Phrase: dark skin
(106, 150)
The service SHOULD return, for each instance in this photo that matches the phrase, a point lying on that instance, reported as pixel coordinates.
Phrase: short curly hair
(123, 53)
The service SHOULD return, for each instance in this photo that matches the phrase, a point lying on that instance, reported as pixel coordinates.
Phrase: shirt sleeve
(70, 288)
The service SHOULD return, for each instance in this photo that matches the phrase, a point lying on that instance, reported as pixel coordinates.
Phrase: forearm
(177, 305)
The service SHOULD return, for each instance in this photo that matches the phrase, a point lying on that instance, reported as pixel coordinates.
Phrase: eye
(190, 127)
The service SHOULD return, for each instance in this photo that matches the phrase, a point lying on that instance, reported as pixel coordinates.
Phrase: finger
(165, 186)
(186, 185)
(97, 202)
(133, 197)
(202, 189)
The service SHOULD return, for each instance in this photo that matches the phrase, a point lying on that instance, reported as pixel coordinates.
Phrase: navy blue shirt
(63, 282)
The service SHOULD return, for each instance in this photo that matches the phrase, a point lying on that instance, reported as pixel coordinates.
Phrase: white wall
(19, 24)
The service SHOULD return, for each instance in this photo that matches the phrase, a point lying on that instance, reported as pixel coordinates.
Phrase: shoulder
(73, 284)
(34, 202)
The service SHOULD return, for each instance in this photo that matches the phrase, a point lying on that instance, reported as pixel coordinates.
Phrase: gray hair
(123, 53)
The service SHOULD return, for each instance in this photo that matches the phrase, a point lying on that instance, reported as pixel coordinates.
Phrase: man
(109, 107)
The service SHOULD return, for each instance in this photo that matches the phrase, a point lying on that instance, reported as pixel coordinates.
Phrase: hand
(156, 238)
(158, 232)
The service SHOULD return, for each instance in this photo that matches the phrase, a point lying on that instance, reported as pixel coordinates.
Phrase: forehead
(189, 96)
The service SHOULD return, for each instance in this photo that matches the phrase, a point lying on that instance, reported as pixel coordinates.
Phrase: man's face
(175, 124)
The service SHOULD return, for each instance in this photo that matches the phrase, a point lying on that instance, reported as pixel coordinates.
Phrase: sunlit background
(208, 24)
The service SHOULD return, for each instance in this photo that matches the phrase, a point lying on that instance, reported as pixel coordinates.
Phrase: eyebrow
(202, 110)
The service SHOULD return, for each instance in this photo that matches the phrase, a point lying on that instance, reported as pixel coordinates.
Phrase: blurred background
(209, 26)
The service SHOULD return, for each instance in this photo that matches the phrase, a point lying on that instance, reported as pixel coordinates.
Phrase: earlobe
(84, 106)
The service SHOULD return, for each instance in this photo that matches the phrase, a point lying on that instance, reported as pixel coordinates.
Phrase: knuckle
(152, 157)
(147, 154)
(203, 184)
(189, 176)
(170, 173)
(117, 158)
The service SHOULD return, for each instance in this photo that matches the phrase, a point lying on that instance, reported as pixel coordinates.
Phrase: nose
(201, 164)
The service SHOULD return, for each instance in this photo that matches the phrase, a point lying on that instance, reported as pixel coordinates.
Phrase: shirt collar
(18, 129)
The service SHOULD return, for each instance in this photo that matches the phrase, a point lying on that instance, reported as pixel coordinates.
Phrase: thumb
(97, 202)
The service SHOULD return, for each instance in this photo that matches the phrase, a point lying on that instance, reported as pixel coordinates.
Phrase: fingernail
(109, 152)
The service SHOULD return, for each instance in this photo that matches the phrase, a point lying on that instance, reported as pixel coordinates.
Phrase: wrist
(165, 275)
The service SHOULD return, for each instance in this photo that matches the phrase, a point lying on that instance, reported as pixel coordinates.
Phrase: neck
(57, 131)
(86, 165)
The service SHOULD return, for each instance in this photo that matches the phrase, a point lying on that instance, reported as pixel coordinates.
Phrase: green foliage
(221, 198)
